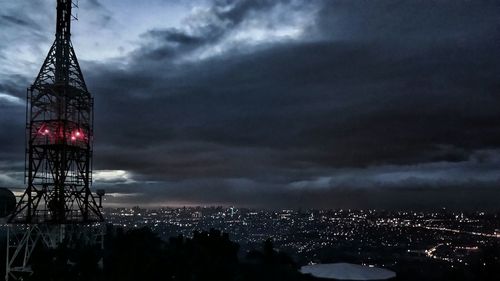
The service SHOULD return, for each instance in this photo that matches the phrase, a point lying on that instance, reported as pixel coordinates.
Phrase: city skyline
(328, 104)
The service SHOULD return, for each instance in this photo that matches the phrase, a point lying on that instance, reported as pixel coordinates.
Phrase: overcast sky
(269, 103)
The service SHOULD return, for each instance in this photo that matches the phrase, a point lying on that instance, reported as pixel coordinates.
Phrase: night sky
(275, 104)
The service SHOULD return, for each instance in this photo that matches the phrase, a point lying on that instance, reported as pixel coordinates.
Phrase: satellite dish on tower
(7, 202)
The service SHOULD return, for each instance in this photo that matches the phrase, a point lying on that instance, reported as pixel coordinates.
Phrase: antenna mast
(59, 133)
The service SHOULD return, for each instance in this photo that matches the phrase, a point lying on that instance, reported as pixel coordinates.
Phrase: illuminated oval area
(347, 271)
(7, 202)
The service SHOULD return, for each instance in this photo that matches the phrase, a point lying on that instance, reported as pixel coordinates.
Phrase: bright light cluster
(75, 135)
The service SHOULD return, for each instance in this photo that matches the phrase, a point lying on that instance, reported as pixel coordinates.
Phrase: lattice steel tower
(58, 169)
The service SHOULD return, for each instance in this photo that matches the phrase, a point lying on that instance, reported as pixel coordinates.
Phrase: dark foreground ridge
(140, 255)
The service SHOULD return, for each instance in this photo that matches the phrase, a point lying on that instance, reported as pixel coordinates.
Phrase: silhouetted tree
(269, 264)
(134, 255)
(140, 255)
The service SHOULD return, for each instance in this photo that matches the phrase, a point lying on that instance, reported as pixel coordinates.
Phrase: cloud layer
(289, 103)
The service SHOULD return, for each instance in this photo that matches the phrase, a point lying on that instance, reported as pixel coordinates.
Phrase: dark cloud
(6, 19)
(372, 89)
(356, 111)
(12, 123)
(272, 197)
(205, 27)
(410, 24)
(95, 3)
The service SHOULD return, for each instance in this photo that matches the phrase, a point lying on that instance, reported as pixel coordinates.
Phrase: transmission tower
(57, 205)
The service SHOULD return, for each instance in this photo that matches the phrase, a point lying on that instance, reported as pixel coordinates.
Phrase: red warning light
(77, 135)
(43, 130)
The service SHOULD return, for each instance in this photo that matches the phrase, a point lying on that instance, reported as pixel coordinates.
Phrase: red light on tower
(43, 130)
(76, 135)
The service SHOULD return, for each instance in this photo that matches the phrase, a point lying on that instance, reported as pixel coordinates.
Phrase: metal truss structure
(22, 242)
(58, 173)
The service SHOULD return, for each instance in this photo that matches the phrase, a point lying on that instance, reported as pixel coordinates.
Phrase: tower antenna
(75, 7)
(58, 201)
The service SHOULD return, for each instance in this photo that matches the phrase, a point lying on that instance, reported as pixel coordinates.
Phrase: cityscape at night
(372, 237)
(243, 140)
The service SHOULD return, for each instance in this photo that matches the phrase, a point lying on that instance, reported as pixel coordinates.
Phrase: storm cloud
(366, 104)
